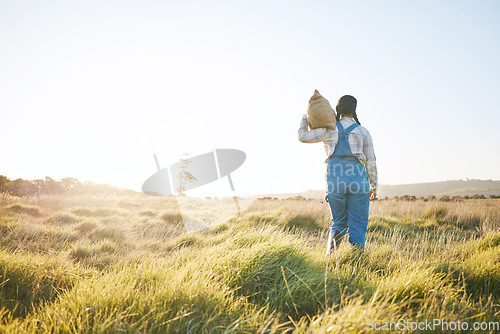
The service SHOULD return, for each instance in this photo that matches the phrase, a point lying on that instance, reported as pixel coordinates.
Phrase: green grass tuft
(21, 208)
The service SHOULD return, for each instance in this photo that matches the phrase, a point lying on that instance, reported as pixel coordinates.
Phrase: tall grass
(100, 264)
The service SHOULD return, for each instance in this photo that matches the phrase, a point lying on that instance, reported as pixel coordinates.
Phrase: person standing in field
(351, 172)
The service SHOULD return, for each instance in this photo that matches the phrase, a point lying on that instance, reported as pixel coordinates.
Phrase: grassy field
(124, 263)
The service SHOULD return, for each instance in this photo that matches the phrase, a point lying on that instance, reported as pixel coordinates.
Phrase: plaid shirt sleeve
(311, 136)
(371, 164)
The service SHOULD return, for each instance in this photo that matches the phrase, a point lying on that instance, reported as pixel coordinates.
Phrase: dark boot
(334, 240)
(337, 238)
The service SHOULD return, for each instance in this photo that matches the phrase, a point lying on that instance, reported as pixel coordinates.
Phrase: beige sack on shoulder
(319, 113)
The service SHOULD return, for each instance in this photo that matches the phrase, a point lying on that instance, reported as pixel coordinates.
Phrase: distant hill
(450, 188)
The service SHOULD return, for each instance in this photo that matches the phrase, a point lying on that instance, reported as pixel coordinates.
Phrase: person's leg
(338, 207)
(357, 211)
(336, 198)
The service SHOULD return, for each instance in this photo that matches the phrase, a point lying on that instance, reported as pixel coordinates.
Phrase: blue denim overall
(348, 190)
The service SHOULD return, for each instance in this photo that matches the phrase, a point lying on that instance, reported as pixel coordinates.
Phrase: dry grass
(100, 263)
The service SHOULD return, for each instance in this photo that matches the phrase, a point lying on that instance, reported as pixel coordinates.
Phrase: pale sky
(92, 89)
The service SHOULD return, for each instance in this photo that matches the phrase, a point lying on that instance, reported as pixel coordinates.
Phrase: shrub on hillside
(430, 198)
(444, 198)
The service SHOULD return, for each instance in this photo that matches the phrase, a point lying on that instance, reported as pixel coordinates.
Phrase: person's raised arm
(311, 136)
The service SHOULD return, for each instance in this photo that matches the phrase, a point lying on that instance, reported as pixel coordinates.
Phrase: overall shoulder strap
(352, 127)
(340, 126)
